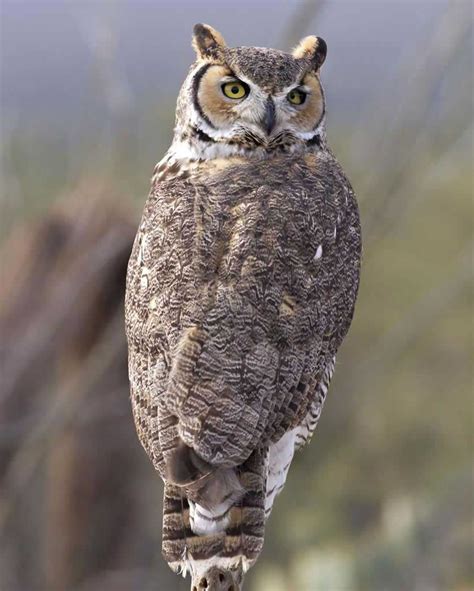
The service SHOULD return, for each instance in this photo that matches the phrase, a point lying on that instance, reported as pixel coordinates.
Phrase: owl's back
(241, 287)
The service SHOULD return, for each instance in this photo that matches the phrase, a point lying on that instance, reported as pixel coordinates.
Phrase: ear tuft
(312, 49)
(208, 43)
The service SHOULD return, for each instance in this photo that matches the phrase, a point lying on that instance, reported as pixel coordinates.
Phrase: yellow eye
(297, 97)
(235, 90)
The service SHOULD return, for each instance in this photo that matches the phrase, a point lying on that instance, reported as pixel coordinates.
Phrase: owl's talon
(216, 579)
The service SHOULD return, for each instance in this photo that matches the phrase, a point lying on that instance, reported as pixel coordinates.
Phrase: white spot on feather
(206, 521)
(319, 253)
(144, 278)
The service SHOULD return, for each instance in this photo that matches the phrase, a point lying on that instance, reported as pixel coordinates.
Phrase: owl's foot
(216, 579)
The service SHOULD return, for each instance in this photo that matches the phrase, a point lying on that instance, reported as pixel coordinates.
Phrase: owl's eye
(296, 96)
(235, 90)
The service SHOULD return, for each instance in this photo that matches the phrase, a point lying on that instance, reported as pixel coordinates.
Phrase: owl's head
(246, 100)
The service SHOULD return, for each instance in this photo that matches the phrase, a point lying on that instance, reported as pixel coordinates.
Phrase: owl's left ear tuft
(208, 43)
(312, 49)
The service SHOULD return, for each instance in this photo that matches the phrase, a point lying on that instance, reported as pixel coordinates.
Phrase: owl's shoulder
(311, 172)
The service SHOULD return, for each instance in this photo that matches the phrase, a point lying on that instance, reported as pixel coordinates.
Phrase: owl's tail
(217, 560)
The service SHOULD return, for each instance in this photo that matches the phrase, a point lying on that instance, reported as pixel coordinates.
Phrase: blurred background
(382, 499)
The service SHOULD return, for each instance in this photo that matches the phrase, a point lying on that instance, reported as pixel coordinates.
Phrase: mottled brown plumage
(241, 287)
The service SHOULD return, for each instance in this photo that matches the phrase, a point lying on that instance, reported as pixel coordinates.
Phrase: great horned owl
(241, 287)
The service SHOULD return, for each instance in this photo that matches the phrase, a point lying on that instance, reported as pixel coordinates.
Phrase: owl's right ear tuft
(208, 43)
(312, 49)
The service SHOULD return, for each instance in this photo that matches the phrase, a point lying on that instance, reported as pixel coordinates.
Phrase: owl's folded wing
(233, 389)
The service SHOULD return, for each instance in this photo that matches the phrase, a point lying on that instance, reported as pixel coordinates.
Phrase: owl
(240, 289)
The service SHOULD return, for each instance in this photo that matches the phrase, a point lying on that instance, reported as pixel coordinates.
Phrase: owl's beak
(268, 120)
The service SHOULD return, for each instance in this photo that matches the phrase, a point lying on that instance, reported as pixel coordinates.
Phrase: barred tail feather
(218, 558)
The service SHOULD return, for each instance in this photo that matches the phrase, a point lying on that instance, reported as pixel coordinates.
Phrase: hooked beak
(268, 120)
